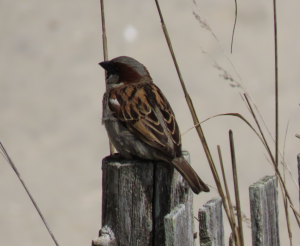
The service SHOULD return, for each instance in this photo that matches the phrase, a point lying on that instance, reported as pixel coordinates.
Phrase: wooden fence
(148, 203)
(264, 216)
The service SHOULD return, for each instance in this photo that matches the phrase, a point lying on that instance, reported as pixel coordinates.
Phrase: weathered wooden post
(264, 212)
(211, 229)
(144, 203)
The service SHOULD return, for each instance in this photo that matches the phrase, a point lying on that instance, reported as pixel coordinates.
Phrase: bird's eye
(112, 70)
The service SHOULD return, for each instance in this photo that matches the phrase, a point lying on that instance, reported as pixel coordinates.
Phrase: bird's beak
(105, 65)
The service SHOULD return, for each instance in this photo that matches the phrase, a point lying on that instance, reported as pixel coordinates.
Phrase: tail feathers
(189, 174)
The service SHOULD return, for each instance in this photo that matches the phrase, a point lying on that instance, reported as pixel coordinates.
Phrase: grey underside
(128, 145)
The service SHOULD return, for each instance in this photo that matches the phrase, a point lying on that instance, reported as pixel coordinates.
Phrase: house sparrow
(140, 121)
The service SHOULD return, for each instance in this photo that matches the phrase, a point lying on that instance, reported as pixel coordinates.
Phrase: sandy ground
(51, 93)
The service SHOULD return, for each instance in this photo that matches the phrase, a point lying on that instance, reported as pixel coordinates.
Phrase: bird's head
(124, 70)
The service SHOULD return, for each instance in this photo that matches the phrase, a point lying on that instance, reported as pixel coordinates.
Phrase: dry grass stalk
(227, 76)
(298, 160)
(244, 217)
(275, 162)
(235, 17)
(241, 84)
(262, 139)
(226, 186)
(227, 114)
(260, 130)
(235, 83)
(285, 201)
(188, 99)
(230, 217)
(236, 188)
(295, 211)
(7, 158)
(105, 54)
(202, 22)
(193, 113)
(235, 232)
(202, 19)
(276, 82)
(286, 193)
(196, 121)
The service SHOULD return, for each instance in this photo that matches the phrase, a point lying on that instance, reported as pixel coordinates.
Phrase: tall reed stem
(194, 116)
(105, 54)
(286, 193)
(236, 188)
(7, 158)
(276, 82)
(235, 232)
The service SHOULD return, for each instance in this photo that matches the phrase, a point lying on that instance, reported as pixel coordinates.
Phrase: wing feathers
(147, 113)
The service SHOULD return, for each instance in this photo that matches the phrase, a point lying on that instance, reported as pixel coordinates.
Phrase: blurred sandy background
(51, 94)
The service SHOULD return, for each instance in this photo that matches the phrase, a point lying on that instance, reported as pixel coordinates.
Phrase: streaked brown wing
(169, 118)
(148, 115)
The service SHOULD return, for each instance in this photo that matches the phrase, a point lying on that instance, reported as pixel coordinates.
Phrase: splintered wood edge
(107, 238)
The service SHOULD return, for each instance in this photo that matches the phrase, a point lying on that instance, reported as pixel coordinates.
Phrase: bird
(139, 119)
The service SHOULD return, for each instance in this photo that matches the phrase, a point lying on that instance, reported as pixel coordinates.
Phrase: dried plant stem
(276, 82)
(188, 99)
(104, 41)
(221, 46)
(281, 154)
(295, 211)
(258, 125)
(298, 160)
(7, 158)
(286, 193)
(230, 215)
(262, 140)
(286, 131)
(236, 188)
(226, 186)
(234, 24)
(235, 232)
(285, 201)
(244, 87)
(194, 115)
(172, 51)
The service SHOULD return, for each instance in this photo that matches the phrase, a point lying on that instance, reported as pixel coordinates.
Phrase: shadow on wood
(137, 195)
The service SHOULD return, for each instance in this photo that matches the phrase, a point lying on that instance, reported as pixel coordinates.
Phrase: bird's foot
(117, 156)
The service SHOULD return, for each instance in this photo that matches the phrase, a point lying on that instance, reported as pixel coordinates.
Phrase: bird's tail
(189, 174)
